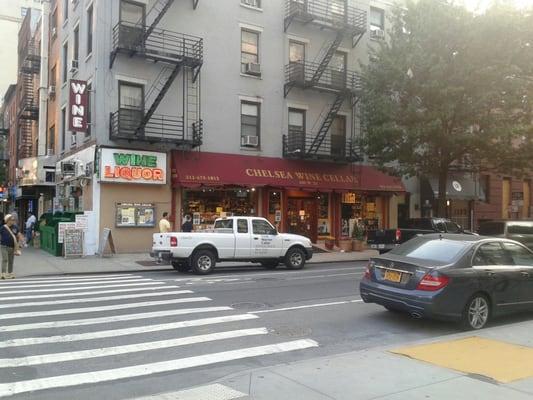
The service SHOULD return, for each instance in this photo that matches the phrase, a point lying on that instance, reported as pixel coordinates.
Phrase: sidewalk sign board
(61, 228)
(73, 243)
(106, 238)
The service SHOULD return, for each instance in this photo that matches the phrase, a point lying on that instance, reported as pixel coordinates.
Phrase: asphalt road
(123, 336)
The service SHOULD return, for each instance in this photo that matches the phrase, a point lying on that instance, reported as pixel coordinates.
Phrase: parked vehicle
(234, 239)
(462, 278)
(387, 239)
(521, 231)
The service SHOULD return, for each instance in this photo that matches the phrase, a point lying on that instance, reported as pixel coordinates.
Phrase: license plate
(373, 246)
(393, 276)
(381, 246)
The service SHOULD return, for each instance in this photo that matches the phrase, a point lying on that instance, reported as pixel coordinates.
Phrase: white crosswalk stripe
(78, 351)
(69, 277)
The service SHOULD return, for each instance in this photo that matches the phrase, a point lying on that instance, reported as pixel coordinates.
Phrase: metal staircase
(178, 53)
(326, 124)
(333, 47)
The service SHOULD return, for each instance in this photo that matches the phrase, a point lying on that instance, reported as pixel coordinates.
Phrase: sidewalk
(38, 262)
(381, 374)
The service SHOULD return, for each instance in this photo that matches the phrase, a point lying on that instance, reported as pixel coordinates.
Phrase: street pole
(43, 85)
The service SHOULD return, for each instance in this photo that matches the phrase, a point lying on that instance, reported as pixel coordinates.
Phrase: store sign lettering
(307, 177)
(78, 102)
(133, 167)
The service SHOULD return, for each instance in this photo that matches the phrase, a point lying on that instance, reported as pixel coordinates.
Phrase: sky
(481, 5)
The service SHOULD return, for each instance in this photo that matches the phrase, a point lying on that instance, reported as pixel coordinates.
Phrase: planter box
(345, 244)
(358, 245)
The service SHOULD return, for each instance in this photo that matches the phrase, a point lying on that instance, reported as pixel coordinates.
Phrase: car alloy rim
(296, 259)
(478, 313)
(204, 263)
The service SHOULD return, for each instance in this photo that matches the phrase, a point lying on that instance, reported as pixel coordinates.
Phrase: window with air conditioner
(377, 23)
(252, 3)
(250, 53)
(250, 124)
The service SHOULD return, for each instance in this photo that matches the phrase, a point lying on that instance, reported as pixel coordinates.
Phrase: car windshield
(521, 229)
(491, 228)
(440, 250)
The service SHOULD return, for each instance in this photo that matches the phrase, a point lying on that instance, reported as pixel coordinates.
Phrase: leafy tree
(451, 88)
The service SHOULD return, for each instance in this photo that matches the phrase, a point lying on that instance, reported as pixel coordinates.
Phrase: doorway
(302, 217)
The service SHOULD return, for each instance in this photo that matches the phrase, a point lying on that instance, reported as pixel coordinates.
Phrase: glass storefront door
(303, 217)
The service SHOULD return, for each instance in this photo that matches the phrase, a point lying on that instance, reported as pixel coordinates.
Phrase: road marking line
(93, 299)
(62, 381)
(60, 282)
(61, 285)
(251, 275)
(104, 320)
(126, 331)
(334, 303)
(66, 278)
(161, 286)
(207, 392)
(114, 307)
(127, 349)
(80, 288)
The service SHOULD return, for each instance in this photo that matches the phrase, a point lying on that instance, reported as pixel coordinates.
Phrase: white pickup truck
(249, 239)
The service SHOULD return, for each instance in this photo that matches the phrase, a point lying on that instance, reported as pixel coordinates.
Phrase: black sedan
(462, 278)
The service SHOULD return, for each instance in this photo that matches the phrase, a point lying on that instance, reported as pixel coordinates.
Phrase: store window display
(362, 208)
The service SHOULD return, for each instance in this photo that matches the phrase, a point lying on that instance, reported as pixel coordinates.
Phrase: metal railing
(124, 124)
(297, 145)
(302, 75)
(160, 44)
(330, 12)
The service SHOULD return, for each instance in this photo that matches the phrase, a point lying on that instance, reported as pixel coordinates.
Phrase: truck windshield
(224, 224)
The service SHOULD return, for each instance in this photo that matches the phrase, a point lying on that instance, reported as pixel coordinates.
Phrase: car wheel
(476, 314)
(270, 264)
(295, 258)
(203, 262)
(180, 266)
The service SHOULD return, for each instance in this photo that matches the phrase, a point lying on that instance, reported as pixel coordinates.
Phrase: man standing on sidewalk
(30, 226)
(164, 224)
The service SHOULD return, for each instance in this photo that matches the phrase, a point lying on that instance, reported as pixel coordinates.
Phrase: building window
(250, 123)
(252, 3)
(90, 30)
(51, 146)
(89, 110)
(338, 136)
(296, 138)
(65, 62)
(132, 12)
(65, 10)
(249, 50)
(296, 52)
(76, 49)
(377, 18)
(63, 128)
(53, 76)
(53, 24)
(484, 182)
(131, 107)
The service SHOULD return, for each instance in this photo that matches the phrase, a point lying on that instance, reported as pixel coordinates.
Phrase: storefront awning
(459, 187)
(191, 169)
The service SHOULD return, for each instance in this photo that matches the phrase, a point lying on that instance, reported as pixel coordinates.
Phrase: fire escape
(180, 55)
(28, 102)
(347, 23)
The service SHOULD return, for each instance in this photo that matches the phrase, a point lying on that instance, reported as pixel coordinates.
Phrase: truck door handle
(256, 238)
(491, 274)
(524, 274)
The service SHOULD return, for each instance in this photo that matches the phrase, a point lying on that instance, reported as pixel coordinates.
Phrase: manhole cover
(248, 306)
(292, 331)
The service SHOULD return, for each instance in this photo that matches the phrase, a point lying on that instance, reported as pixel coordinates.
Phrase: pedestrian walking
(164, 224)
(30, 227)
(187, 225)
(9, 241)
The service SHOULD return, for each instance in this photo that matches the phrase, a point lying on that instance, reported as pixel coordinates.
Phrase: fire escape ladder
(163, 91)
(326, 124)
(327, 58)
(159, 8)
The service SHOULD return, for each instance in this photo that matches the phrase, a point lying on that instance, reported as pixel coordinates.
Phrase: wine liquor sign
(78, 105)
(132, 166)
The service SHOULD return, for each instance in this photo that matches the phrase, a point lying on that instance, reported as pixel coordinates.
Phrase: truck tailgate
(161, 241)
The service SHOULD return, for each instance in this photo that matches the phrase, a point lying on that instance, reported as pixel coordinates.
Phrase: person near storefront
(187, 225)
(10, 238)
(30, 227)
(164, 224)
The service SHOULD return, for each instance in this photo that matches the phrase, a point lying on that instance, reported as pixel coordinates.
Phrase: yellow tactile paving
(503, 362)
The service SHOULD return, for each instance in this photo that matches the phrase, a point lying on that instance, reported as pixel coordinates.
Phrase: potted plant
(345, 243)
(329, 242)
(358, 235)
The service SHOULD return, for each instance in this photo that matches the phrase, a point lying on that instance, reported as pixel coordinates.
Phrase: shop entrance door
(302, 217)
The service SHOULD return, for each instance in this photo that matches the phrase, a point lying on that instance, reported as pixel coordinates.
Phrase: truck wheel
(295, 258)
(203, 262)
(270, 264)
(180, 266)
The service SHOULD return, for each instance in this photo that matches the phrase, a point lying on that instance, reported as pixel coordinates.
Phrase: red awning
(194, 169)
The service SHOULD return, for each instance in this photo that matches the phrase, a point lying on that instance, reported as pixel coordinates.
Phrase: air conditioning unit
(377, 34)
(74, 66)
(250, 141)
(51, 90)
(80, 170)
(253, 69)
